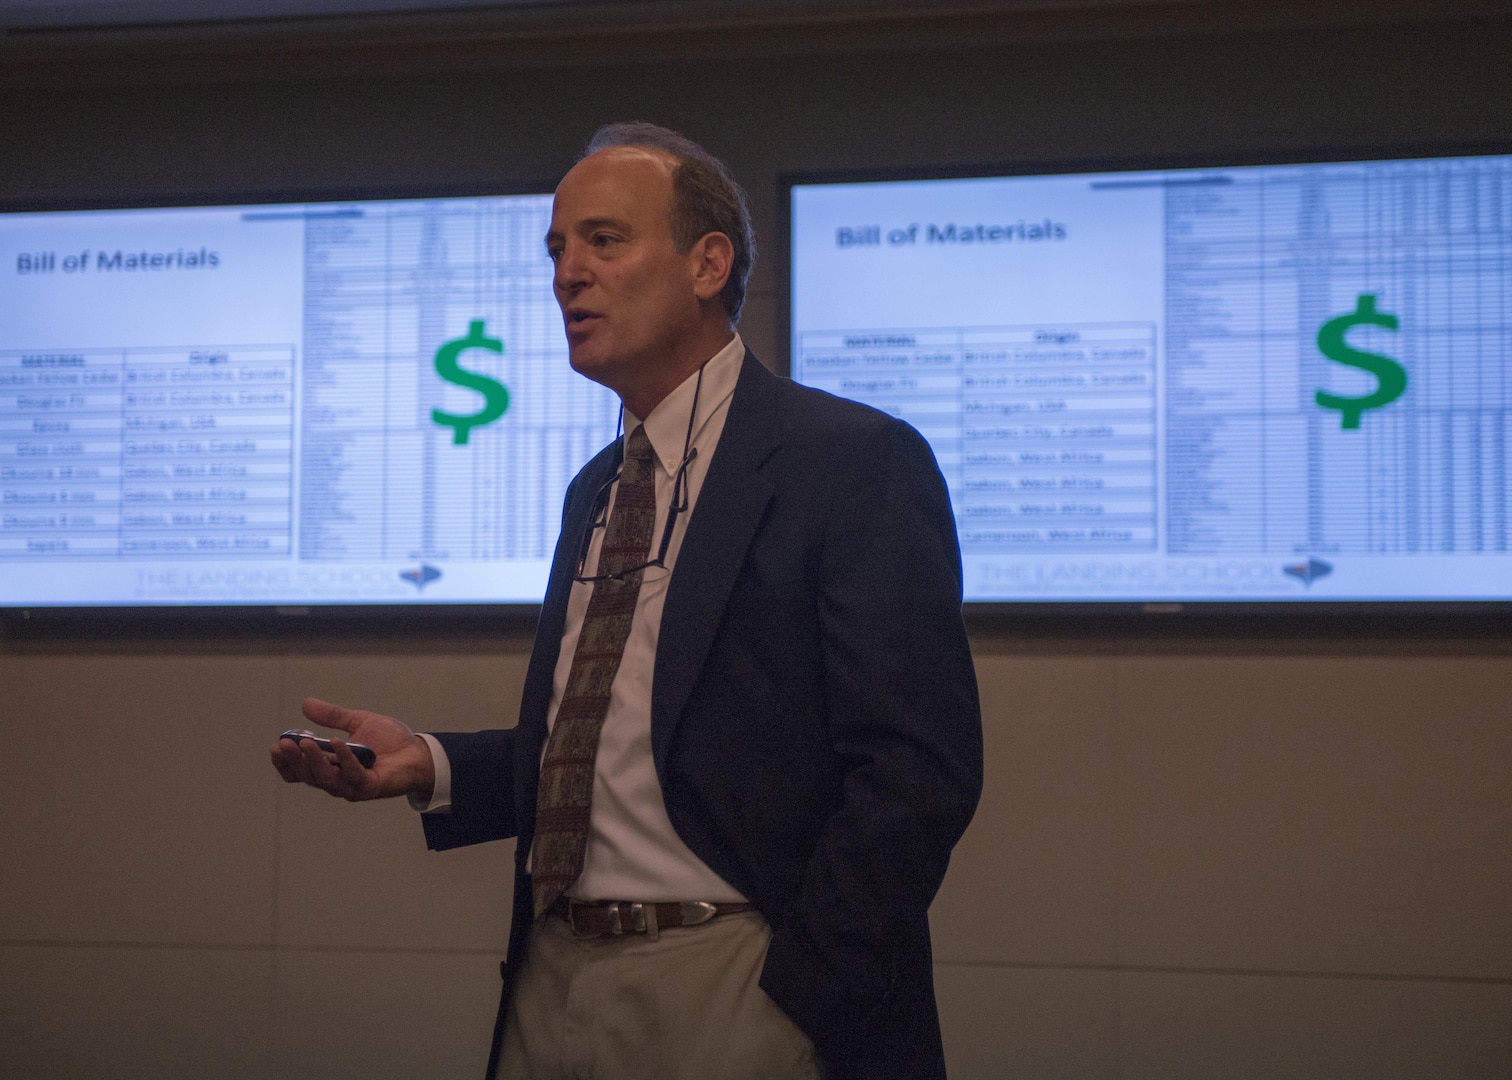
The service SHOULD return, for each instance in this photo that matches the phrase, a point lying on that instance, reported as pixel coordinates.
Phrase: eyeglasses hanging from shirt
(678, 504)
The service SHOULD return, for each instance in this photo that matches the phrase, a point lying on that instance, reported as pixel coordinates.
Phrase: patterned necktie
(566, 783)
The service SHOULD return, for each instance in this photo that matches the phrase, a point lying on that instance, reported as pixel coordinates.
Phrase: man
(749, 734)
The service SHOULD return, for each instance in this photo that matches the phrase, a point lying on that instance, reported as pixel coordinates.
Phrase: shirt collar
(667, 426)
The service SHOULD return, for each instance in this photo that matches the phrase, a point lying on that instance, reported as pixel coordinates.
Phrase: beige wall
(1210, 853)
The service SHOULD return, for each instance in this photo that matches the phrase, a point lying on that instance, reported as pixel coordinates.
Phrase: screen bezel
(1389, 617)
(365, 618)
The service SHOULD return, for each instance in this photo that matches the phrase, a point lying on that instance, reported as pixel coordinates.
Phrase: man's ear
(712, 256)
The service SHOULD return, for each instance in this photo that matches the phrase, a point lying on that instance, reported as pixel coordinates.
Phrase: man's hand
(403, 765)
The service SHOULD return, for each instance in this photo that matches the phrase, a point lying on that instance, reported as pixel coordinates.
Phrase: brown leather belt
(614, 918)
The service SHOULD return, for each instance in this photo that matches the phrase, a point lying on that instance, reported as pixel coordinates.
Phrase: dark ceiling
(130, 40)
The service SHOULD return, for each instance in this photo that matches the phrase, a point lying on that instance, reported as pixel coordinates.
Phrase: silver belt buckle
(636, 911)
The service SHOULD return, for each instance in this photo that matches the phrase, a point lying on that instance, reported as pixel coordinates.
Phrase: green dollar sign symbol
(1390, 376)
(495, 394)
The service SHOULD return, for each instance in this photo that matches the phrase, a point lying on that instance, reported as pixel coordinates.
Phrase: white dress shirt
(633, 852)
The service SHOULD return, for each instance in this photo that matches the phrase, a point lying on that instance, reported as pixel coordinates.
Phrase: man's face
(627, 296)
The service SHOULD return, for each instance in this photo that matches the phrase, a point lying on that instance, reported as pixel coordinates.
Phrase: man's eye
(554, 254)
(602, 239)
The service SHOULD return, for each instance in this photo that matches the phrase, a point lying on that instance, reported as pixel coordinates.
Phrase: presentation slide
(1276, 383)
(332, 403)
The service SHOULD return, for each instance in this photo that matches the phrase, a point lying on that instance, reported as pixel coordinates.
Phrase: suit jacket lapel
(730, 505)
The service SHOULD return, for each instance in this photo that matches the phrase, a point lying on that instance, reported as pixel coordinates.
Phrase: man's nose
(571, 270)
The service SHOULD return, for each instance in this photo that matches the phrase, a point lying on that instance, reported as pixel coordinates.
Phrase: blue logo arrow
(1310, 571)
(420, 576)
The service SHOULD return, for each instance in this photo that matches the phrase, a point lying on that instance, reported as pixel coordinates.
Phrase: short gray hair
(705, 198)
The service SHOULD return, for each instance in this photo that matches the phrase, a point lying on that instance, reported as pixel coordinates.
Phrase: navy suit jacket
(814, 713)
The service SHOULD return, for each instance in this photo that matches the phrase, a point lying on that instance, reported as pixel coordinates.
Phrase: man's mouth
(579, 325)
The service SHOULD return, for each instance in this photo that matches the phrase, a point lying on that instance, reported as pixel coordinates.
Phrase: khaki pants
(685, 1006)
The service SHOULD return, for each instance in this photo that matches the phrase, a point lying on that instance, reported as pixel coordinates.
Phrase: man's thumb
(327, 715)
